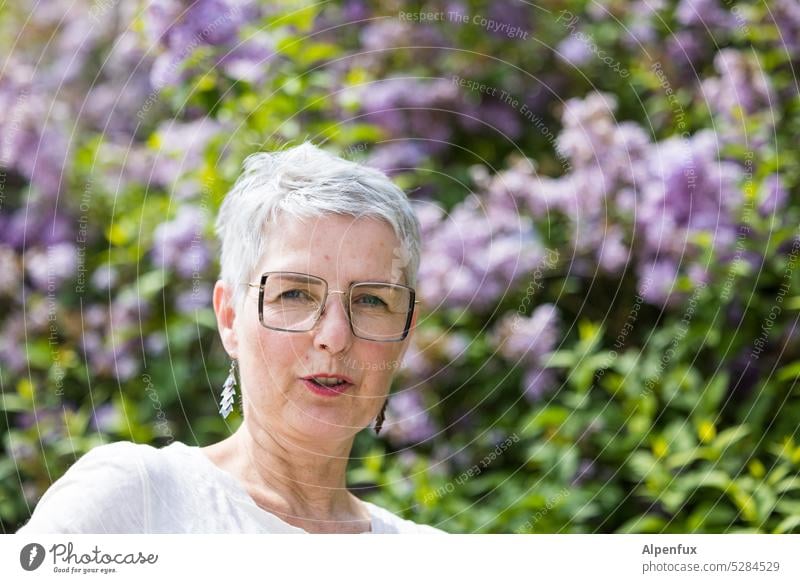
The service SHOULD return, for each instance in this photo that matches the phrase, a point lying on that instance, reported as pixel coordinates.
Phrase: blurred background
(609, 201)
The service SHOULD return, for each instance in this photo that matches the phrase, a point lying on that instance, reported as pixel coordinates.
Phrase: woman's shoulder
(103, 491)
(387, 522)
(107, 489)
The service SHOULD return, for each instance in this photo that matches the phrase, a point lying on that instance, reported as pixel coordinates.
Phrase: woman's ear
(225, 311)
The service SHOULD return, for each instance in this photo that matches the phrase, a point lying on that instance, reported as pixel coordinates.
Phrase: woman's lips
(326, 391)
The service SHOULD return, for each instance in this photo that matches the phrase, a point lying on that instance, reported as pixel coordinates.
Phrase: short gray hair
(305, 181)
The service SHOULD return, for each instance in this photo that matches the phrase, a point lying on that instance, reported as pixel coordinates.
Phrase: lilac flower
(250, 60)
(786, 15)
(686, 50)
(49, 268)
(657, 281)
(383, 34)
(353, 10)
(512, 13)
(179, 244)
(704, 14)
(742, 84)
(640, 23)
(111, 359)
(127, 310)
(407, 418)
(191, 300)
(182, 29)
(176, 25)
(417, 363)
(155, 343)
(104, 277)
(48, 421)
(773, 196)
(688, 191)
(526, 341)
(105, 418)
(492, 116)
(181, 149)
(396, 156)
(574, 51)
(476, 255)
(12, 344)
(409, 107)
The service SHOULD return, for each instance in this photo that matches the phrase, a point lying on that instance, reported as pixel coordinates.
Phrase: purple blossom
(181, 149)
(179, 244)
(526, 341)
(574, 51)
(12, 344)
(104, 277)
(686, 51)
(105, 418)
(704, 14)
(394, 157)
(477, 254)
(50, 267)
(640, 26)
(182, 29)
(491, 115)
(407, 418)
(191, 300)
(773, 196)
(688, 190)
(411, 107)
(250, 60)
(741, 84)
(786, 15)
(657, 281)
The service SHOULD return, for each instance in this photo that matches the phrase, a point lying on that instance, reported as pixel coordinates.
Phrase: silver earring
(228, 392)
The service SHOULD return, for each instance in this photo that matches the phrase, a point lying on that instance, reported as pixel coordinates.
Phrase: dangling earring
(228, 392)
(381, 417)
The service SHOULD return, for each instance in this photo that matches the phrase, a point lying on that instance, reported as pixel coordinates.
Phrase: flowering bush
(609, 206)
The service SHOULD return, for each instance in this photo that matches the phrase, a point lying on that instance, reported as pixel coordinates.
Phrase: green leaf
(713, 394)
(788, 372)
(787, 524)
(643, 524)
(792, 483)
(730, 436)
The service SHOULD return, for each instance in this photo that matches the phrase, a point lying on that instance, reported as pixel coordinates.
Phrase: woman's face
(340, 249)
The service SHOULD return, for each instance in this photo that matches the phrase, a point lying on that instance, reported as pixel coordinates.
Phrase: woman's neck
(297, 482)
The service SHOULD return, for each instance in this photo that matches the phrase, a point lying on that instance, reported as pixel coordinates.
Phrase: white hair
(305, 181)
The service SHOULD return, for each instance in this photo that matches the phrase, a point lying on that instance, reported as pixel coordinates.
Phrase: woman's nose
(333, 327)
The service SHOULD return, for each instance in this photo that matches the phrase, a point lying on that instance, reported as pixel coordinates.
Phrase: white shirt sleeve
(105, 491)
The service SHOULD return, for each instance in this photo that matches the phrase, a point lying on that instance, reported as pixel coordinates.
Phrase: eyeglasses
(294, 302)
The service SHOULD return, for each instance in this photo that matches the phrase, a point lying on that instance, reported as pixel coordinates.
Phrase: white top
(124, 487)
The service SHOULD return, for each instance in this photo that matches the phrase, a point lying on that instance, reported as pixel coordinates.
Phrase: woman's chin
(324, 426)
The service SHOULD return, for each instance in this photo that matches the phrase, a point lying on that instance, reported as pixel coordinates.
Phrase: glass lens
(291, 301)
(379, 311)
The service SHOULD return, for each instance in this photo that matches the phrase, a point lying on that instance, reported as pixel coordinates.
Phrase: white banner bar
(386, 559)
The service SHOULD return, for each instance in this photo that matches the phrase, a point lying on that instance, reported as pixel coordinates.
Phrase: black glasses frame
(321, 310)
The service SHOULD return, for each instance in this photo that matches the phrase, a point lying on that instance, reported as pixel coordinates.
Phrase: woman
(315, 306)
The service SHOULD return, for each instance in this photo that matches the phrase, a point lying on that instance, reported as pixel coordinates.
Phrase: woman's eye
(294, 294)
(370, 301)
